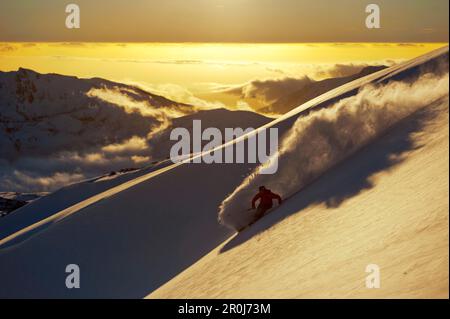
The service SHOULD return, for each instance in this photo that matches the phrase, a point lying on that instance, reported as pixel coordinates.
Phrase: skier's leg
(260, 212)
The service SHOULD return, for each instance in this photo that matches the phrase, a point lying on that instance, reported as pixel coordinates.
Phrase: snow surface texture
(324, 138)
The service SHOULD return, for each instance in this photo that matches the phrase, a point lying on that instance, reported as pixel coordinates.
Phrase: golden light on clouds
(197, 73)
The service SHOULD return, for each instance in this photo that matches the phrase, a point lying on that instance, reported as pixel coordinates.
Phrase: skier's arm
(277, 197)
(257, 196)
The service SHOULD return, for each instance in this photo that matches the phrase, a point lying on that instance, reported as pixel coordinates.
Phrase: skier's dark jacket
(266, 197)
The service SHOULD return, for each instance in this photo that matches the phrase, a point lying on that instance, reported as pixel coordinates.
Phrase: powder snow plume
(323, 138)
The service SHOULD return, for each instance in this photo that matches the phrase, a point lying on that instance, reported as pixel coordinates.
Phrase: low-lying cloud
(40, 183)
(263, 94)
(181, 94)
(342, 70)
(268, 91)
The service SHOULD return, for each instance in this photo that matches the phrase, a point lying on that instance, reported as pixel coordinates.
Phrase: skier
(266, 196)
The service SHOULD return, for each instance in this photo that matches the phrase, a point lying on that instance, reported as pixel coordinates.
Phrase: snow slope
(137, 236)
(394, 213)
